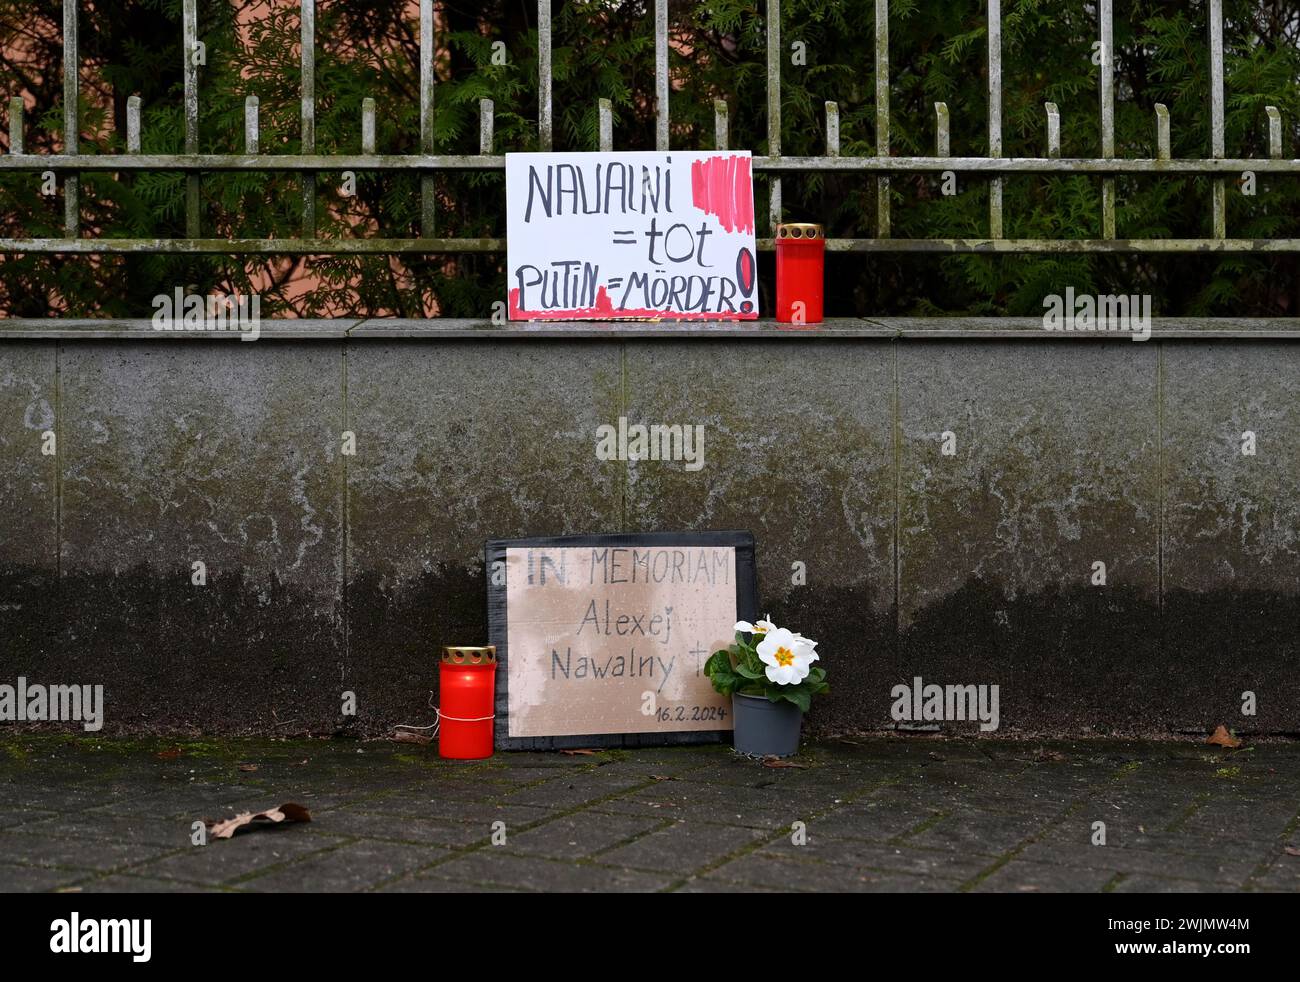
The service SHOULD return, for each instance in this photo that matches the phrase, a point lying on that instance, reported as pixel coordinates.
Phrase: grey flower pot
(765, 728)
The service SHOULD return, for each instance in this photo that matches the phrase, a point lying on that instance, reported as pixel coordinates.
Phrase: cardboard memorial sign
(600, 236)
(602, 639)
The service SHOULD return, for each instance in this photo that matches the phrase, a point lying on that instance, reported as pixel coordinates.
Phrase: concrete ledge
(836, 328)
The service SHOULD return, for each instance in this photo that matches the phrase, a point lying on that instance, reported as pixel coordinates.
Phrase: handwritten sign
(602, 640)
(599, 236)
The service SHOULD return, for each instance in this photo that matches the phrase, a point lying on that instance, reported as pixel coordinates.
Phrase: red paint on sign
(721, 186)
(604, 307)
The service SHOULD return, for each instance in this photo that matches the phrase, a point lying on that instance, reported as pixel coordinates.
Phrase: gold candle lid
(470, 655)
(800, 230)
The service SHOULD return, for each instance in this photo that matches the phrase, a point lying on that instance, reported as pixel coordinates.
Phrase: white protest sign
(645, 234)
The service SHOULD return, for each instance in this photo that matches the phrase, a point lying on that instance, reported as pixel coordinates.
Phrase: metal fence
(308, 164)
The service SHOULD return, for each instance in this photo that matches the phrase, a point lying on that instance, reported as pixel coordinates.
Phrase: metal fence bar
(942, 134)
(774, 106)
(367, 125)
(190, 34)
(1106, 17)
(1053, 130)
(252, 134)
(995, 113)
(308, 23)
(1274, 132)
(428, 202)
(661, 74)
(545, 134)
(297, 163)
(605, 112)
(133, 124)
(71, 124)
(277, 247)
(16, 124)
(1219, 216)
(720, 124)
(486, 122)
(882, 115)
(1162, 132)
(832, 129)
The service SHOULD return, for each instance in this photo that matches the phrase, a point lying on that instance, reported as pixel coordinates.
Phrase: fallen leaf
(171, 754)
(1222, 738)
(580, 753)
(248, 767)
(660, 777)
(1048, 755)
(406, 736)
(288, 812)
(779, 762)
(1291, 851)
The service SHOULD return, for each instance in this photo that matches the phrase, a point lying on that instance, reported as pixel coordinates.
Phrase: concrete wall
(328, 572)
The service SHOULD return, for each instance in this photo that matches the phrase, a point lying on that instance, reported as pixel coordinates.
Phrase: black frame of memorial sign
(498, 621)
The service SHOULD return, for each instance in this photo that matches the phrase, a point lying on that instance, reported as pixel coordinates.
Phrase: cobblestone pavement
(879, 814)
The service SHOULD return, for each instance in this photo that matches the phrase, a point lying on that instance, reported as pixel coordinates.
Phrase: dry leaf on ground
(778, 762)
(171, 754)
(1291, 851)
(288, 812)
(1222, 738)
(248, 767)
(580, 753)
(406, 736)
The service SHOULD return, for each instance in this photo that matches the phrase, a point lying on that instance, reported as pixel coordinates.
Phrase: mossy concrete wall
(328, 572)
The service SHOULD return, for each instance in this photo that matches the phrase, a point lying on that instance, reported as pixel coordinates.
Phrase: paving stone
(767, 807)
(400, 828)
(580, 835)
(126, 883)
(683, 847)
(978, 833)
(496, 868)
(12, 819)
(164, 833)
(1146, 883)
(441, 808)
(351, 867)
(882, 857)
(1226, 871)
(871, 819)
(35, 879)
(1020, 877)
(225, 860)
(570, 792)
(69, 852)
(773, 872)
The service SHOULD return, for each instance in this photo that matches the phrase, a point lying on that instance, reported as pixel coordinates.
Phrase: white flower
(787, 657)
(758, 627)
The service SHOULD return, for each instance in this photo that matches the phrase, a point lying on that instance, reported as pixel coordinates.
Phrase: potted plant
(769, 674)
